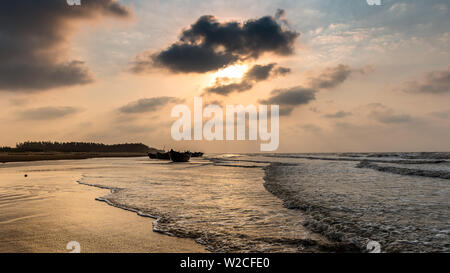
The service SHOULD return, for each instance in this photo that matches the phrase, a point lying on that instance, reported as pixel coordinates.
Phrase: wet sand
(47, 209)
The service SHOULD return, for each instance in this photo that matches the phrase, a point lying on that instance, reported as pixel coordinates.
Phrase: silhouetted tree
(48, 146)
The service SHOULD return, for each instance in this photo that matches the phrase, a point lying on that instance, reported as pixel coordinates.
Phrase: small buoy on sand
(26, 175)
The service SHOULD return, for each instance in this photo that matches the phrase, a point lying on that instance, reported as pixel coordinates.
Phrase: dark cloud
(213, 102)
(208, 45)
(331, 77)
(148, 105)
(435, 82)
(282, 71)
(252, 38)
(222, 88)
(38, 76)
(259, 72)
(184, 58)
(289, 98)
(33, 36)
(255, 74)
(286, 110)
(48, 113)
(280, 14)
(339, 114)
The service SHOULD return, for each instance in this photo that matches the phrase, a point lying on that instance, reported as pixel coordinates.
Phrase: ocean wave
(345, 209)
(360, 158)
(404, 171)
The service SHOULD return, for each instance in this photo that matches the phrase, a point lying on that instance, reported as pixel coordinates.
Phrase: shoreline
(136, 211)
(45, 211)
(41, 156)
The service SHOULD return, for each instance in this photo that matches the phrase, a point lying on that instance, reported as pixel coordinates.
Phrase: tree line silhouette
(48, 146)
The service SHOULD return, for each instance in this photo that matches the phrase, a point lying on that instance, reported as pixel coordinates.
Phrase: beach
(228, 203)
(46, 210)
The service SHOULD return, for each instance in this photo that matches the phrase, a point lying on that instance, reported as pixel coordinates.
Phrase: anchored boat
(174, 155)
(197, 154)
(164, 156)
(159, 155)
(179, 157)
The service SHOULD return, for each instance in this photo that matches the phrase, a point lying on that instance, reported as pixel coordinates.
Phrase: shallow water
(224, 206)
(279, 203)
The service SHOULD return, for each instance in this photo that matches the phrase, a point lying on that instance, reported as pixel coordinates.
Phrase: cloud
(435, 82)
(386, 114)
(39, 76)
(315, 110)
(48, 113)
(398, 8)
(148, 105)
(311, 128)
(376, 105)
(214, 102)
(33, 42)
(224, 89)
(339, 114)
(392, 118)
(441, 114)
(18, 101)
(184, 58)
(282, 71)
(389, 117)
(331, 77)
(280, 16)
(289, 98)
(255, 74)
(209, 45)
(259, 72)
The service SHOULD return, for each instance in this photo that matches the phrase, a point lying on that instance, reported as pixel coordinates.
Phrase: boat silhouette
(197, 154)
(179, 156)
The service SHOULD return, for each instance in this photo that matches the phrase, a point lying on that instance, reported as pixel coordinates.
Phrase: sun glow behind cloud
(232, 72)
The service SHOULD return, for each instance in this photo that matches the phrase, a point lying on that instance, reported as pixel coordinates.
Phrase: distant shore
(38, 156)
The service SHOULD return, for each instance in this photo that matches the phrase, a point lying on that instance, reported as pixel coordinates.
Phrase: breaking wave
(404, 171)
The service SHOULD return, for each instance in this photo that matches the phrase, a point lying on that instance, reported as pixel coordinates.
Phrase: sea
(335, 202)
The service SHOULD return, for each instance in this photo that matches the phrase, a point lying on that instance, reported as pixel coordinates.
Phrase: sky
(348, 76)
